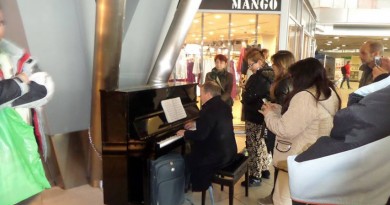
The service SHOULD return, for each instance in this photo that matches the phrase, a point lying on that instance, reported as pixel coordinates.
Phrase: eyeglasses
(251, 65)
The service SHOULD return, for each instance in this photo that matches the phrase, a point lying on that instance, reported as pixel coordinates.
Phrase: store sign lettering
(254, 4)
(241, 5)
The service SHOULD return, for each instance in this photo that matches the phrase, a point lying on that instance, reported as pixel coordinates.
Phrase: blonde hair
(254, 54)
(283, 59)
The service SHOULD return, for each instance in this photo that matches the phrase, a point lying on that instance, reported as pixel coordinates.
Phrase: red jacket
(347, 69)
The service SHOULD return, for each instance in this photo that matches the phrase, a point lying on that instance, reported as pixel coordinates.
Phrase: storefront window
(230, 34)
(294, 36)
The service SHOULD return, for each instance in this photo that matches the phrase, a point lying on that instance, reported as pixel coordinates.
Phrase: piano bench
(229, 176)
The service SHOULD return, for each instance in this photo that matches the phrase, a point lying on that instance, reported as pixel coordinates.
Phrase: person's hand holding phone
(385, 63)
(267, 106)
(382, 66)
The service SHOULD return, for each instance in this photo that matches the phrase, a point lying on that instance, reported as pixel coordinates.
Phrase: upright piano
(135, 131)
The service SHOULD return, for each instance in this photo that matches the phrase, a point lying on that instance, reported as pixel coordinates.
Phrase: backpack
(343, 70)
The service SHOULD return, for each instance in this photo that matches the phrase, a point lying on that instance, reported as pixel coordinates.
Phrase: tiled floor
(87, 195)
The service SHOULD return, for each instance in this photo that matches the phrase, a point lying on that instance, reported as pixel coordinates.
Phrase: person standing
(279, 90)
(346, 71)
(367, 54)
(257, 87)
(222, 77)
(306, 115)
(24, 169)
(213, 143)
(358, 144)
(266, 56)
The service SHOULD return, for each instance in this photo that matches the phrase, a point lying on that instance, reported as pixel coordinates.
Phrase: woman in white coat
(306, 115)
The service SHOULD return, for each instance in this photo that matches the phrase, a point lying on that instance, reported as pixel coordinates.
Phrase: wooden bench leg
(231, 194)
(204, 197)
(221, 184)
(247, 182)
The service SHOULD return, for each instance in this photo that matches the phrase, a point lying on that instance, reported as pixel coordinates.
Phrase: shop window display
(229, 34)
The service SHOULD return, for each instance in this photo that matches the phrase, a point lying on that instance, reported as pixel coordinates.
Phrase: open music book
(173, 109)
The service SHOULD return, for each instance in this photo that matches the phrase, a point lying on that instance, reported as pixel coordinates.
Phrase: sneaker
(253, 182)
(265, 174)
(265, 201)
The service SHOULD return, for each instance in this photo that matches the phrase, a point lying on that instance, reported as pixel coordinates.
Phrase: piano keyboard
(168, 141)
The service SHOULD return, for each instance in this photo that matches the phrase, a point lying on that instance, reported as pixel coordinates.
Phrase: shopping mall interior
(88, 49)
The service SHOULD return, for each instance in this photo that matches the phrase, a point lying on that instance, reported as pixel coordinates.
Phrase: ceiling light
(217, 16)
(385, 39)
(211, 33)
(343, 45)
(221, 36)
(196, 21)
(336, 37)
(210, 22)
(252, 20)
(330, 42)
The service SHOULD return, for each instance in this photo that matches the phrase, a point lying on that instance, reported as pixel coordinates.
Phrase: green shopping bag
(21, 171)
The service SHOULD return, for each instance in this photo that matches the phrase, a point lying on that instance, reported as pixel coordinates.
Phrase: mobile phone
(265, 100)
(378, 60)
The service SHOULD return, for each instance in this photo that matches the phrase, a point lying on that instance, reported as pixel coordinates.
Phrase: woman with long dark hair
(306, 115)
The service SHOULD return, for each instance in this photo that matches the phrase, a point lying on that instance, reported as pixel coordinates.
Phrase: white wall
(142, 42)
(52, 34)
(61, 35)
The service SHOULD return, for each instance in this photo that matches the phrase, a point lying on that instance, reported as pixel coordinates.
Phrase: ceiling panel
(346, 43)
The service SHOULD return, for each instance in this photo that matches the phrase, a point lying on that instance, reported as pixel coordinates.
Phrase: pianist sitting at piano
(213, 144)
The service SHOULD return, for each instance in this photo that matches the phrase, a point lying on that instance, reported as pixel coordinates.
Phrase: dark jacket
(282, 89)
(366, 75)
(214, 145)
(225, 81)
(22, 95)
(256, 88)
(9, 90)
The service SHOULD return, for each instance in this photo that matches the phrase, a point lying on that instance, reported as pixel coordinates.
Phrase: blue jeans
(345, 78)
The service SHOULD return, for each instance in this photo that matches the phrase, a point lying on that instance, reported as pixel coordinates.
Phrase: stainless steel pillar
(108, 46)
(173, 42)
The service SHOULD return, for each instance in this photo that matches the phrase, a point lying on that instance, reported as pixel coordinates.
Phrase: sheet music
(173, 109)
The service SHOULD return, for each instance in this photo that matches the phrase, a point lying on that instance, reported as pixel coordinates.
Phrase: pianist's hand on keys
(190, 125)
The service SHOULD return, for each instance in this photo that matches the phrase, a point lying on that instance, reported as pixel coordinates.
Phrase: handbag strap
(219, 83)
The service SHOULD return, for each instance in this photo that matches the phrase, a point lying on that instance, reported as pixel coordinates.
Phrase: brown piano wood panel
(126, 154)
